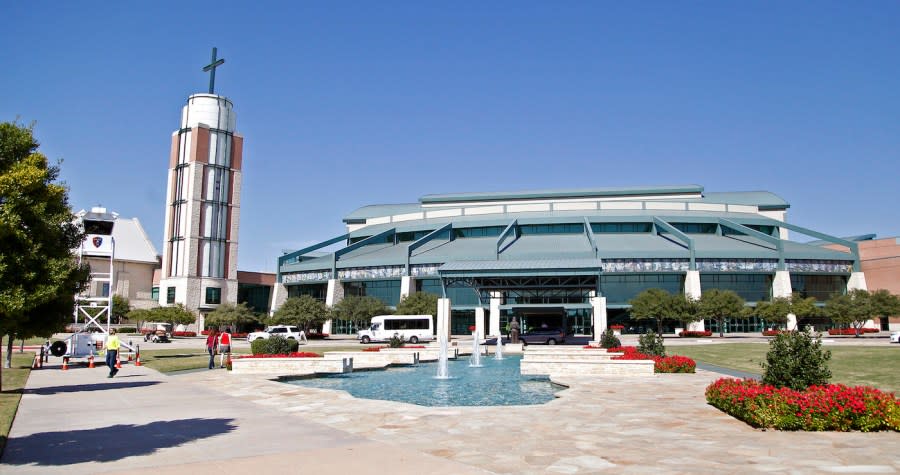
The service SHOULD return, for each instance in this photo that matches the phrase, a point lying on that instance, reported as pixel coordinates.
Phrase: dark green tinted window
(619, 289)
(575, 228)
(751, 287)
(388, 291)
(316, 291)
(821, 287)
(487, 231)
(695, 228)
(620, 227)
(213, 295)
(170, 294)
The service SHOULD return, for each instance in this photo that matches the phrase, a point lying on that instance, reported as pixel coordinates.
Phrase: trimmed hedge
(274, 345)
(832, 407)
(127, 330)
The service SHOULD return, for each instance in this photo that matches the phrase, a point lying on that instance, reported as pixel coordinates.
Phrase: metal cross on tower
(211, 68)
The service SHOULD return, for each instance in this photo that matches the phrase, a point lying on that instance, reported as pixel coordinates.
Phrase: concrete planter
(291, 366)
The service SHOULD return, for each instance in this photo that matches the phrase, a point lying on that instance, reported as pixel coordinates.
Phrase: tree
(358, 310)
(303, 311)
(175, 314)
(39, 275)
(683, 309)
(776, 311)
(858, 306)
(230, 315)
(718, 304)
(652, 304)
(121, 307)
(418, 303)
(796, 360)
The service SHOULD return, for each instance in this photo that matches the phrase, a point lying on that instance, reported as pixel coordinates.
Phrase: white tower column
(203, 201)
(279, 295)
(857, 281)
(494, 324)
(692, 291)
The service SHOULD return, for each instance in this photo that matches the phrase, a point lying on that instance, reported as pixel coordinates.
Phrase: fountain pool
(495, 383)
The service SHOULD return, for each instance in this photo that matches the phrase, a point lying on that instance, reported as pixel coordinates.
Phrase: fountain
(498, 355)
(442, 371)
(475, 359)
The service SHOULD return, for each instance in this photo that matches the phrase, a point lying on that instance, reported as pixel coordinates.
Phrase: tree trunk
(7, 363)
(21, 346)
(721, 328)
(659, 326)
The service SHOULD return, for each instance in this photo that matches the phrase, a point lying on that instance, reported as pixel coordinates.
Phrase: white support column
(781, 287)
(279, 295)
(479, 321)
(333, 295)
(857, 281)
(598, 304)
(494, 324)
(443, 318)
(407, 286)
(692, 291)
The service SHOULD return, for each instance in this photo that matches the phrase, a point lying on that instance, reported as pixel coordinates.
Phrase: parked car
(550, 336)
(288, 331)
(156, 332)
(895, 337)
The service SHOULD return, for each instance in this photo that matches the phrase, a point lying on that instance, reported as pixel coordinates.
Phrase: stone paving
(658, 424)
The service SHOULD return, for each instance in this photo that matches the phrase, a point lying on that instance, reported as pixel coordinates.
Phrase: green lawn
(167, 361)
(875, 366)
(13, 381)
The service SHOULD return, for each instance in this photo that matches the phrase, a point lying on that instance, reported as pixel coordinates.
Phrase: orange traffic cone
(137, 361)
(130, 356)
(91, 361)
(65, 364)
(118, 363)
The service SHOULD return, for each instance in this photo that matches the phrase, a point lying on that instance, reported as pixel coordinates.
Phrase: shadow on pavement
(88, 387)
(108, 444)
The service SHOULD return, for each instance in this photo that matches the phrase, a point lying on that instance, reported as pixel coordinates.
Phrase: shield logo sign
(97, 241)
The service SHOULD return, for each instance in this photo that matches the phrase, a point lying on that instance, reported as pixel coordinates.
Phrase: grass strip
(14, 380)
(862, 365)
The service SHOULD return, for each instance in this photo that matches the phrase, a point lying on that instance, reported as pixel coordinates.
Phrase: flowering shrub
(851, 331)
(694, 334)
(663, 364)
(184, 333)
(301, 354)
(832, 407)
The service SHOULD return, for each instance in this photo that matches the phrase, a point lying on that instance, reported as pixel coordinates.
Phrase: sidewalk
(79, 421)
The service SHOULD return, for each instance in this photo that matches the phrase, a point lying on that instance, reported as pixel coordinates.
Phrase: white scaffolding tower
(99, 244)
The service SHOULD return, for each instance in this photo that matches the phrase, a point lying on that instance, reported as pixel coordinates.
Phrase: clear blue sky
(344, 104)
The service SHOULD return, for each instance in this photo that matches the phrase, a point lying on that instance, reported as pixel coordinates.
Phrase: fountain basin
(496, 383)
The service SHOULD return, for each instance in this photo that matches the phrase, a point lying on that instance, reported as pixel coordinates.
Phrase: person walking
(224, 346)
(212, 341)
(112, 352)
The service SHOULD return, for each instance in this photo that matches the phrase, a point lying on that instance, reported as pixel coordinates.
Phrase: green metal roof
(764, 200)
(560, 194)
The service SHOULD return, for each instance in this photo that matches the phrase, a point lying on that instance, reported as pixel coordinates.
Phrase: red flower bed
(617, 327)
(317, 336)
(833, 407)
(301, 354)
(373, 349)
(851, 331)
(694, 334)
(184, 333)
(663, 364)
(774, 332)
(589, 347)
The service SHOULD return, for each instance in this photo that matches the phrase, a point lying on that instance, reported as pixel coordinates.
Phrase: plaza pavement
(79, 421)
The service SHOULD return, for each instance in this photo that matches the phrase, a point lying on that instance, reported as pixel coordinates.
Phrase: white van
(413, 328)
